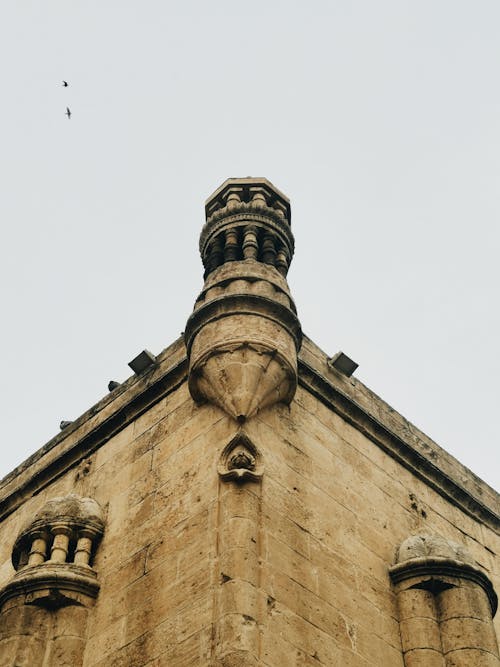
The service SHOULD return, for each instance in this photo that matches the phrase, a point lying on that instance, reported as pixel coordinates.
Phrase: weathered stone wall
(289, 569)
(334, 509)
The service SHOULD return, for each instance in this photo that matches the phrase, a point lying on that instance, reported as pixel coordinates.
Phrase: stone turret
(244, 335)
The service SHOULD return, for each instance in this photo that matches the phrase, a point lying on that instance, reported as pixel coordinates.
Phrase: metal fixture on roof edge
(142, 362)
(343, 364)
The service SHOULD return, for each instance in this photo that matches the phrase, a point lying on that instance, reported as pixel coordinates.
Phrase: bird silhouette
(65, 84)
(68, 113)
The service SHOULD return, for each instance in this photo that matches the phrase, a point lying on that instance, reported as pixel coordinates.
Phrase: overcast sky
(381, 122)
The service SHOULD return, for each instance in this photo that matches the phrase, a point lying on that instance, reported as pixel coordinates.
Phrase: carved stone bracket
(437, 583)
(52, 585)
(240, 461)
(433, 573)
(53, 555)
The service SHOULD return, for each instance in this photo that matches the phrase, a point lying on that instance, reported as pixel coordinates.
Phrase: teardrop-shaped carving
(243, 379)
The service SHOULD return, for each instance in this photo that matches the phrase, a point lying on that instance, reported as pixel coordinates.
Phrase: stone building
(242, 500)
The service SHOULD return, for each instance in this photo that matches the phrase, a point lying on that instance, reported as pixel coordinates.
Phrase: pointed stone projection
(244, 335)
(240, 460)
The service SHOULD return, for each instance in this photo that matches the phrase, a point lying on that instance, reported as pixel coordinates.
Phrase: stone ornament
(53, 554)
(434, 561)
(446, 604)
(247, 218)
(240, 461)
(244, 335)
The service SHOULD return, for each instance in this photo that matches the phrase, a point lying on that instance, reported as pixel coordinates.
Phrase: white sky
(381, 122)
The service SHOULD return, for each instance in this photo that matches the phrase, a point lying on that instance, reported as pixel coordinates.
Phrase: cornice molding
(141, 401)
(263, 218)
(242, 304)
(394, 445)
(312, 380)
(52, 585)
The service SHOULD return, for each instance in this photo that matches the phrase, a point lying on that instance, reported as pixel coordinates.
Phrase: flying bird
(65, 84)
(68, 113)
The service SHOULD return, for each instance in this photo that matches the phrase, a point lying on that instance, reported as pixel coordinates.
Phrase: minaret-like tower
(243, 336)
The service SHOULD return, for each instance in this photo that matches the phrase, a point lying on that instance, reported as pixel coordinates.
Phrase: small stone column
(38, 551)
(239, 599)
(419, 627)
(83, 549)
(467, 632)
(59, 552)
(250, 243)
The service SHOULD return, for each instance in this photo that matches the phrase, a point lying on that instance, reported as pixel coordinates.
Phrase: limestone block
(416, 603)
(236, 633)
(302, 635)
(420, 633)
(239, 532)
(469, 633)
(237, 659)
(466, 600)
(471, 658)
(65, 651)
(239, 563)
(22, 651)
(425, 658)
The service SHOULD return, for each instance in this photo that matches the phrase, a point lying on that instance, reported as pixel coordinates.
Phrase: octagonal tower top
(247, 219)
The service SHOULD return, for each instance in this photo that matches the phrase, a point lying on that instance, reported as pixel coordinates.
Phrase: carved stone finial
(244, 335)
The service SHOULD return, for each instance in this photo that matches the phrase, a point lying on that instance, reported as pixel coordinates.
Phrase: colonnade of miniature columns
(61, 534)
(245, 242)
(445, 624)
(44, 608)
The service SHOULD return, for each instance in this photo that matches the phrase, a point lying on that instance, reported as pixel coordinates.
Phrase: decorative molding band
(248, 271)
(142, 401)
(261, 219)
(243, 304)
(391, 443)
(312, 381)
(52, 585)
(436, 568)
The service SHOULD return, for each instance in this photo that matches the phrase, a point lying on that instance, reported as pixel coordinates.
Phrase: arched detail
(240, 460)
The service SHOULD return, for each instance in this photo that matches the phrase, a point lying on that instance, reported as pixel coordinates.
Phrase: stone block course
(289, 570)
(253, 501)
